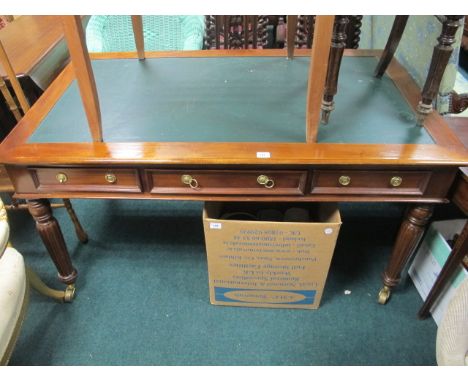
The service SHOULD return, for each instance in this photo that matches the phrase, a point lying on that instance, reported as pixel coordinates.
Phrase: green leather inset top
(230, 99)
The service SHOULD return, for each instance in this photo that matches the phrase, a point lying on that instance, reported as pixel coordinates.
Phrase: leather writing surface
(230, 99)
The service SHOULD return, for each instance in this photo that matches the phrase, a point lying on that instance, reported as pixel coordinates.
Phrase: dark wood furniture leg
(334, 62)
(51, 235)
(392, 44)
(353, 32)
(245, 31)
(440, 57)
(409, 235)
(80, 232)
(227, 27)
(459, 251)
(291, 37)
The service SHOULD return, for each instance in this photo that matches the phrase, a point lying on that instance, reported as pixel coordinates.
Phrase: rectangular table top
(231, 99)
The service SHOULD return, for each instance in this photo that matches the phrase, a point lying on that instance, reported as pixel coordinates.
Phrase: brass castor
(384, 295)
(62, 296)
(69, 294)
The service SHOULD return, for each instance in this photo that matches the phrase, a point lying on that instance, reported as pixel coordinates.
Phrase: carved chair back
(250, 32)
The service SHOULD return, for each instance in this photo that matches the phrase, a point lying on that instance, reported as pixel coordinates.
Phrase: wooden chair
(249, 32)
(235, 32)
(75, 38)
(232, 29)
(5, 183)
(440, 57)
(305, 31)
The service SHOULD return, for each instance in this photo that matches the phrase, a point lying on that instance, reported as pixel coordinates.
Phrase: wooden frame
(84, 74)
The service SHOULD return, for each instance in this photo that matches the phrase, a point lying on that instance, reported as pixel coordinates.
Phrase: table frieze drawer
(370, 182)
(225, 182)
(90, 179)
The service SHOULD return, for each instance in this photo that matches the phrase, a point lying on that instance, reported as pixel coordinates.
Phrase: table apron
(344, 183)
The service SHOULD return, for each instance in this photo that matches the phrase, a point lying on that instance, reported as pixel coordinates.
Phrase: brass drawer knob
(110, 178)
(266, 181)
(61, 177)
(189, 180)
(396, 181)
(344, 180)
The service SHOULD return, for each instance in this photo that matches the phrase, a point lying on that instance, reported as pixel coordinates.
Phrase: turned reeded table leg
(334, 62)
(51, 235)
(440, 58)
(409, 235)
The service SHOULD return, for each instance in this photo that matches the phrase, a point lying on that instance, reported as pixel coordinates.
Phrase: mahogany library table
(229, 126)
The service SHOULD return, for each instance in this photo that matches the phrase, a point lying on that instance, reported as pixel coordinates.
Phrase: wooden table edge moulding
(418, 174)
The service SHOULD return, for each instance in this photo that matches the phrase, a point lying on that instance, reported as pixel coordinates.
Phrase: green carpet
(142, 297)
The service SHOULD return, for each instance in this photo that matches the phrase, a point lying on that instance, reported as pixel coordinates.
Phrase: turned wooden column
(334, 62)
(440, 58)
(51, 235)
(409, 235)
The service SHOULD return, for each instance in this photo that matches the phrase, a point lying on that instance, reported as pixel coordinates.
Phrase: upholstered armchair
(15, 280)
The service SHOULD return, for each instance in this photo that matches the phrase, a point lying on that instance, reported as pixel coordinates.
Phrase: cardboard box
(429, 260)
(272, 264)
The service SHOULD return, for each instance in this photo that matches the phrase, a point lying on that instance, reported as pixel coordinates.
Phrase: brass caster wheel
(35, 281)
(384, 295)
(69, 293)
